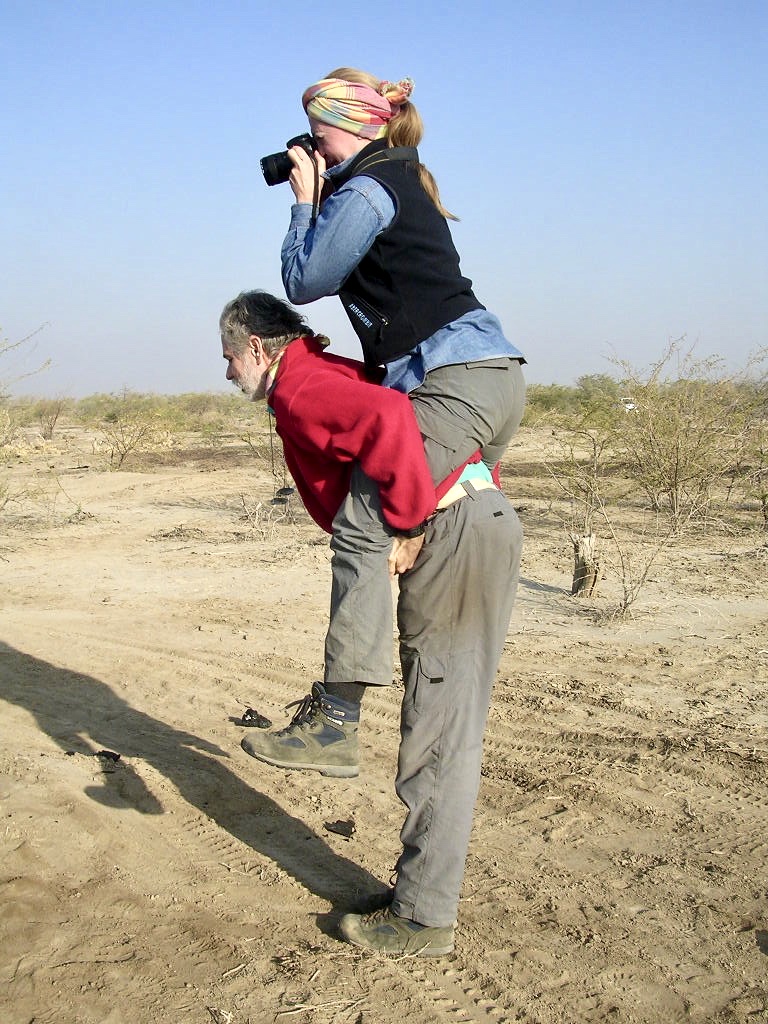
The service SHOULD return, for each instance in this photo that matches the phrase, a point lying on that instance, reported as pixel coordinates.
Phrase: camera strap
(315, 196)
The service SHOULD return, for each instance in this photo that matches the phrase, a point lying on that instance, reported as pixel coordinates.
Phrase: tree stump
(586, 567)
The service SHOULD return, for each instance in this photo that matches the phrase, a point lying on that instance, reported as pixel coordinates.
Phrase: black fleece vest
(408, 285)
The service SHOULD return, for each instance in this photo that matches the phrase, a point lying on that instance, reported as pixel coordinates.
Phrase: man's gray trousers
(453, 615)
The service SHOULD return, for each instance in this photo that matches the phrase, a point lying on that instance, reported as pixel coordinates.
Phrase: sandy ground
(618, 864)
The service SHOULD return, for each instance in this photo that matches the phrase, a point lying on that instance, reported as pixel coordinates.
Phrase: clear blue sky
(608, 160)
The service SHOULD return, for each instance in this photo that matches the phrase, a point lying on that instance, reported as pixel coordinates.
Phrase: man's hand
(404, 552)
(302, 179)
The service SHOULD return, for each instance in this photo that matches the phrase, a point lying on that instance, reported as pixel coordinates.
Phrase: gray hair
(259, 313)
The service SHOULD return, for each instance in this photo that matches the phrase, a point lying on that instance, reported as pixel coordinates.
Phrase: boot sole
(417, 950)
(333, 771)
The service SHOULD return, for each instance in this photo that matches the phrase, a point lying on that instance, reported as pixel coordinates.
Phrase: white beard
(251, 385)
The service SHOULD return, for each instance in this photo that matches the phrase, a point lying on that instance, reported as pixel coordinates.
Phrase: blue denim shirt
(317, 260)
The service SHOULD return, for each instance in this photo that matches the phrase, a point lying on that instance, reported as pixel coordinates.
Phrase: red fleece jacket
(330, 415)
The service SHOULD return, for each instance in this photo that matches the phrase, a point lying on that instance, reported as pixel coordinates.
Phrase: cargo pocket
(424, 679)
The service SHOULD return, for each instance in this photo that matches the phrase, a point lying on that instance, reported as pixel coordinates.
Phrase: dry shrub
(684, 434)
(47, 412)
(688, 431)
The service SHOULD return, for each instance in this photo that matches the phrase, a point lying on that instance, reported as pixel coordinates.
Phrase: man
(455, 601)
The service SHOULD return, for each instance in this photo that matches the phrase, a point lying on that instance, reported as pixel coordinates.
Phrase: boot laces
(380, 916)
(303, 713)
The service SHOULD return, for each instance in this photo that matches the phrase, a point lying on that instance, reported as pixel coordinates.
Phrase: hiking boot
(321, 737)
(385, 932)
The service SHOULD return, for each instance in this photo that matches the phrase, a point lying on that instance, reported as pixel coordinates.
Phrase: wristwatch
(415, 531)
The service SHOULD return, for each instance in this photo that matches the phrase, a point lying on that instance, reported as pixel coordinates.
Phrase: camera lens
(276, 168)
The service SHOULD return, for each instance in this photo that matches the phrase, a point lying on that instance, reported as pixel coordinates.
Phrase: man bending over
(456, 553)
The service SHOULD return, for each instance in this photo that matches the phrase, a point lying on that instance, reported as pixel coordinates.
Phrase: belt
(457, 491)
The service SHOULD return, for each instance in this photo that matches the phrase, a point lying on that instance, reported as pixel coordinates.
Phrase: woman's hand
(302, 179)
(403, 553)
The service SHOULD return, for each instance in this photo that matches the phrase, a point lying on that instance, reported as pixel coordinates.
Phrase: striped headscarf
(356, 108)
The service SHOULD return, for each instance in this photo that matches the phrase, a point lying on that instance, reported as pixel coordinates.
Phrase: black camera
(277, 167)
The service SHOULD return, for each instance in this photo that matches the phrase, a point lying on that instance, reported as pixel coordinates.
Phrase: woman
(382, 243)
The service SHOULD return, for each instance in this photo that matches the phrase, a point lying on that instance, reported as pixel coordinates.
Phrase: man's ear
(256, 346)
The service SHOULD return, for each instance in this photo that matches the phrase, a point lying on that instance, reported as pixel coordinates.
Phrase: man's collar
(321, 340)
(272, 374)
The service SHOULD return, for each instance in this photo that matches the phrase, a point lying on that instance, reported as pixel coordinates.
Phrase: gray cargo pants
(459, 409)
(453, 613)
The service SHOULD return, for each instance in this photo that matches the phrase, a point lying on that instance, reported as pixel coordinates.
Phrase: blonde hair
(405, 129)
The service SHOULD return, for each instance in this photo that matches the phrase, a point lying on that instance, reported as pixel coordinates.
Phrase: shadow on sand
(83, 715)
